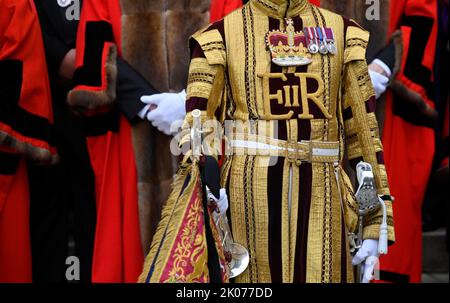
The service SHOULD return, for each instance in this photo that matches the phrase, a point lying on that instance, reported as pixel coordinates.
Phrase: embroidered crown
(288, 47)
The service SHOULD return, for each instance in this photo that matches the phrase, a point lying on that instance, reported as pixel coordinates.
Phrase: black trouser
(63, 205)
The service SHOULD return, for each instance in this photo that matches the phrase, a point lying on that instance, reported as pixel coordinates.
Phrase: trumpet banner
(179, 251)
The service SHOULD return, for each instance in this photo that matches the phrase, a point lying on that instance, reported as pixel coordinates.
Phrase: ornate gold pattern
(235, 78)
(190, 249)
(179, 250)
(281, 8)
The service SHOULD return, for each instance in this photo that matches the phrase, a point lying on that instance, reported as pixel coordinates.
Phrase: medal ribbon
(329, 34)
(319, 33)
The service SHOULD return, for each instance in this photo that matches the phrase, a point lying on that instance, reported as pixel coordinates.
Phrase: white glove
(222, 203)
(380, 74)
(170, 108)
(368, 257)
(380, 83)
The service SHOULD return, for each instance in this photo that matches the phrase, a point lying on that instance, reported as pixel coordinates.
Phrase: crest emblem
(288, 48)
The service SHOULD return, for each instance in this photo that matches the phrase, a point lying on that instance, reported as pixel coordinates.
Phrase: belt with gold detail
(293, 151)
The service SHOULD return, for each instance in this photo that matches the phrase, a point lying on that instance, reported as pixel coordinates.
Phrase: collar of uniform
(281, 8)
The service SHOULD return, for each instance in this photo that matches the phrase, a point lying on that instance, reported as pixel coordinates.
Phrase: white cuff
(383, 65)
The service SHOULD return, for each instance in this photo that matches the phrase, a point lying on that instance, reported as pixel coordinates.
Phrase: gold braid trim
(351, 207)
(356, 44)
(212, 45)
(164, 231)
(362, 130)
(207, 81)
(201, 78)
(378, 220)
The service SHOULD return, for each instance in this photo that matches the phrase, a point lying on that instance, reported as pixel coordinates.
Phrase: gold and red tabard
(299, 74)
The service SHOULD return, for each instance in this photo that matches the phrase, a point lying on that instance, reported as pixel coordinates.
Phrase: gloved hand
(368, 257)
(222, 202)
(380, 83)
(170, 108)
(380, 74)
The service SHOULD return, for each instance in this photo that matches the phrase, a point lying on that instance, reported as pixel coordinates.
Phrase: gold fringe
(168, 213)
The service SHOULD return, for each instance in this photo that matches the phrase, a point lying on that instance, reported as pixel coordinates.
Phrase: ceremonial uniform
(132, 162)
(296, 114)
(25, 121)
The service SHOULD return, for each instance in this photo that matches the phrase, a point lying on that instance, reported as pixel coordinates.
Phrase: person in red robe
(408, 135)
(118, 253)
(127, 52)
(25, 122)
(221, 8)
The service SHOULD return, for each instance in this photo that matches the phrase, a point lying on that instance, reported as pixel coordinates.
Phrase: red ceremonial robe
(221, 8)
(118, 252)
(25, 120)
(408, 135)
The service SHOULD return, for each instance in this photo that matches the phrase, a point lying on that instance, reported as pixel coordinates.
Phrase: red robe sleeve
(96, 68)
(25, 101)
(414, 27)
